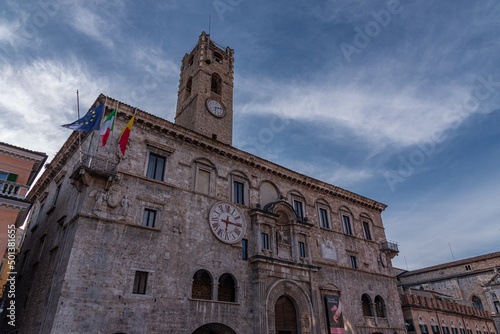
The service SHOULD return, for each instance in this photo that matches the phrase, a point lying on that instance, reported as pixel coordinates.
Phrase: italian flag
(125, 134)
(107, 127)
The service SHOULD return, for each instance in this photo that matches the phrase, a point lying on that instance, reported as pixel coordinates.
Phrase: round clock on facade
(227, 222)
(215, 107)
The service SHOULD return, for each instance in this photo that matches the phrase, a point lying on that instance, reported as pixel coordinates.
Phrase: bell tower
(205, 97)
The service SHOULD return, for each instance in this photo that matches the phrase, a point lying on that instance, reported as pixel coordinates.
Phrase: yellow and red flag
(125, 134)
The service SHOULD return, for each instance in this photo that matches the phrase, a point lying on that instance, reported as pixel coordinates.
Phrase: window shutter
(12, 177)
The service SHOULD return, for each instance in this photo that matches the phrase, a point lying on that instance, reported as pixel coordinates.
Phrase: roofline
(228, 150)
(450, 264)
(41, 154)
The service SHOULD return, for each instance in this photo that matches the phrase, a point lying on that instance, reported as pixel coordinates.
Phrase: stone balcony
(13, 189)
(390, 248)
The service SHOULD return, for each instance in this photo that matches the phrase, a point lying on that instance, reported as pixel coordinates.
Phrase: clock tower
(205, 97)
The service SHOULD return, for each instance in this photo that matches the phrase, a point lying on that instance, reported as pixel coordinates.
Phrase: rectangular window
(149, 218)
(156, 167)
(468, 267)
(497, 306)
(41, 247)
(324, 218)
(265, 241)
(238, 192)
(244, 250)
(454, 330)
(409, 325)
(3, 176)
(366, 231)
(446, 330)
(203, 182)
(302, 249)
(12, 177)
(298, 208)
(462, 330)
(140, 282)
(435, 329)
(354, 262)
(478, 332)
(469, 331)
(347, 225)
(424, 329)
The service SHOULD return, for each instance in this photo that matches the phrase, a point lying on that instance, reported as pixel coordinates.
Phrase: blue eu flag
(91, 120)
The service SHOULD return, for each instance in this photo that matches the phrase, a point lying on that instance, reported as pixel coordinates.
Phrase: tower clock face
(227, 222)
(215, 108)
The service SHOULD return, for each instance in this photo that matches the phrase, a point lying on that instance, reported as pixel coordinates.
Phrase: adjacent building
(18, 169)
(473, 283)
(187, 234)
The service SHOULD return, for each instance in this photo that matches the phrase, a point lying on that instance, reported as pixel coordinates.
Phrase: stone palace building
(187, 234)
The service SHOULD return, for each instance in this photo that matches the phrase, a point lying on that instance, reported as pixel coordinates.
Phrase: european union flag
(91, 120)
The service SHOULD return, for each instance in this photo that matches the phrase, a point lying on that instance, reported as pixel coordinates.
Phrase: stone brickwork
(83, 280)
(465, 279)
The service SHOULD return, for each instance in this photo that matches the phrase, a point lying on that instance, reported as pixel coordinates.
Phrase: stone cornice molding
(20, 153)
(165, 127)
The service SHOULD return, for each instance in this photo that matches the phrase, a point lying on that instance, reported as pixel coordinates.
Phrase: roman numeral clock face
(227, 222)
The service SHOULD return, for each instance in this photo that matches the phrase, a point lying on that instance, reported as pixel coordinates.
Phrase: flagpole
(79, 133)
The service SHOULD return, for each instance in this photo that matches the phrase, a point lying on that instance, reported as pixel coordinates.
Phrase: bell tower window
(218, 57)
(216, 84)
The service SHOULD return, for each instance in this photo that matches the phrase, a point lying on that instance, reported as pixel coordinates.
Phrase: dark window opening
(324, 218)
(366, 305)
(218, 57)
(202, 285)
(354, 262)
(347, 225)
(238, 192)
(156, 167)
(380, 307)
(366, 231)
(244, 250)
(265, 241)
(140, 282)
(216, 85)
(298, 208)
(227, 289)
(149, 218)
(302, 249)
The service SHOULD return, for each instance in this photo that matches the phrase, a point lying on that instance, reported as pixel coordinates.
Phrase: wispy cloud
(37, 98)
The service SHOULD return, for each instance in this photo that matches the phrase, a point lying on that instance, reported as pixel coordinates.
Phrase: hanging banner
(334, 319)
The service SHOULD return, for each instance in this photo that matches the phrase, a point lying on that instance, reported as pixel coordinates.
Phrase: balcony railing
(97, 165)
(13, 189)
(389, 247)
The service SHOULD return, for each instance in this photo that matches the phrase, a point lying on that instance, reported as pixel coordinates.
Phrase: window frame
(238, 192)
(354, 261)
(149, 211)
(239, 177)
(157, 155)
(366, 229)
(138, 288)
(298, 207)
(265, 241)
(302, 249)
(205, 169)
(347, 227)
(244, 249)
(323, 218)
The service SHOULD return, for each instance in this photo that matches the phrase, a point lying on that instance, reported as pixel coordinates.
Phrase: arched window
(380, 307)
(366, 305)
(216, 84)
(476, 302)
(190, 61)
(227, 289)
(202, 285)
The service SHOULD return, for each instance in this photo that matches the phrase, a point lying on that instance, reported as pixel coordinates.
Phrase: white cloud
(36, 99)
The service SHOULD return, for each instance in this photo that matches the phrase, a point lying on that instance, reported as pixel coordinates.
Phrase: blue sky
(398, 101)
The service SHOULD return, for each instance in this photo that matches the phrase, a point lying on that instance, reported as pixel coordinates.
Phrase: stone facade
(132, 244)
(428, 312)
(474, 280)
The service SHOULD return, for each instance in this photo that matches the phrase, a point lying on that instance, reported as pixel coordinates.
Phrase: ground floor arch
(214, 328)
(290, 299)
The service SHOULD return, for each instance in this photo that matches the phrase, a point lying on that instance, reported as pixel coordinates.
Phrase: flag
(107, 127)
(125, 134)
(91, 120)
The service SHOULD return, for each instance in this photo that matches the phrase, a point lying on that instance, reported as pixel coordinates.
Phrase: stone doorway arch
(214, 328)
(298, 296)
